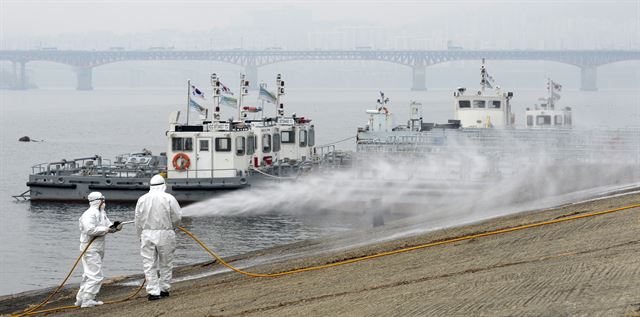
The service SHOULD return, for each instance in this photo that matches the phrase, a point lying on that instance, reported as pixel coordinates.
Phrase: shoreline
(547, 266)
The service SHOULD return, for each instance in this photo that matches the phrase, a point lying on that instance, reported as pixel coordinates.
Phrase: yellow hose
(32, 311)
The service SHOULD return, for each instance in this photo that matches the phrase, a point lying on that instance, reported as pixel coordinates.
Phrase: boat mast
(263, 85)
(483, 77)
(244, 90)
(215, 83)
(279, 92)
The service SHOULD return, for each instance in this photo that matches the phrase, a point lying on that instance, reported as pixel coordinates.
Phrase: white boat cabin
(484, 110)
(545, 115)
(218, 150)
(297, 137)
(381, 118)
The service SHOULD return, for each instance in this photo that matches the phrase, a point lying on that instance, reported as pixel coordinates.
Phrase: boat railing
(67, 165)
(610, 146)
(97, 166)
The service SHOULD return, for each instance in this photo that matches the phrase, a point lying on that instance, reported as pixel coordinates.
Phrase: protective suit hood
(157, 183)
(95, 199)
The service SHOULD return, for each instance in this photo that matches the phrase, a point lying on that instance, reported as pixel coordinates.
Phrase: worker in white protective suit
(157, 216)
(94, 225)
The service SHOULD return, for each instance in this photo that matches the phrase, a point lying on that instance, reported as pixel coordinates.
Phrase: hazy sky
(614, 22)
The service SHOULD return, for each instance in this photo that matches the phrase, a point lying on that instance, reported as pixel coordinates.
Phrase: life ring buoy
(181, 161)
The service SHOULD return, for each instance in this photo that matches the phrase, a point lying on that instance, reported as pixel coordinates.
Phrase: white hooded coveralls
(92, 223)
(157, 215)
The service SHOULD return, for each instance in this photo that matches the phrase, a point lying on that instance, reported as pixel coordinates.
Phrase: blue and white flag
(196, 99)
(229, 101)
(266, 95)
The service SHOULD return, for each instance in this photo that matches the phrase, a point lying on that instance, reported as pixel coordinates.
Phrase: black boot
(153, 297)
(164, 294)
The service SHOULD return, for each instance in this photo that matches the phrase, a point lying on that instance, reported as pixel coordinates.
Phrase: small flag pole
(188, 99)
(262, 85)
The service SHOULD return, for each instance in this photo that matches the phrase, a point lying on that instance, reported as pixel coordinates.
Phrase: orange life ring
(184, 161)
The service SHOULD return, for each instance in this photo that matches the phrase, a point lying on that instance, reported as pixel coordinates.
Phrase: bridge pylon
(20, 75)
(589, 78)
(419, 77)
(84, 75)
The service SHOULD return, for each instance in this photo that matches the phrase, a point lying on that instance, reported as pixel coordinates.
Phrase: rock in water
(24, 139)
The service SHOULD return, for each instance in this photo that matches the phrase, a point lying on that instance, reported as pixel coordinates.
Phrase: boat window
(312, 137)
(529, 120)
(288, 137)
(276, 142)
(543, 120)
(478, 104)
(240, 146)
(495, 104)
(266, 143)
(181, 144)
(557, 119)
(303, 138)
(204, 145)
(567, 119)
(223, 144)
(464, 104)
(251, 145)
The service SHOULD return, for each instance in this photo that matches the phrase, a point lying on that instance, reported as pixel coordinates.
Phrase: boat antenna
(188, 99)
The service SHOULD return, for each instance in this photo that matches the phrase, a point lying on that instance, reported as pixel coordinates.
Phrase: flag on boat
(251, 109)
(196, 99)
(225, 89)
(229, 101)
(266, 95)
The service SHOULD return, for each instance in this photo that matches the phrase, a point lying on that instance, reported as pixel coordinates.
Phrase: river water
(38, 242)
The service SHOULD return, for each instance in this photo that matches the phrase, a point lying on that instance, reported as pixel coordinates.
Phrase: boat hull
(76, 188)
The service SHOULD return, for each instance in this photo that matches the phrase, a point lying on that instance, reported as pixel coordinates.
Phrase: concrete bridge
(84, 61)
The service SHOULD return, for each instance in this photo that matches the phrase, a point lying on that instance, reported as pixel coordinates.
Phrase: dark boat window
(567, 119)
(251, 145)
(266, 143)
(543, 120)
(464, 104)
(276, 142)
(181, 144)
(223, 144)
(495, 104)
(478, 104)
(303, 138)
(204, 145)
(240, 146)
(557, 119)
(288, 137)
(312, 137)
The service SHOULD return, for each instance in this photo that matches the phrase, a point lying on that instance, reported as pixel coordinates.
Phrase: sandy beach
(588, 266)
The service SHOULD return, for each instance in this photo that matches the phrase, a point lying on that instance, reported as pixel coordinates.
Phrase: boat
(483, 141)
(545, 115)
(202, 159)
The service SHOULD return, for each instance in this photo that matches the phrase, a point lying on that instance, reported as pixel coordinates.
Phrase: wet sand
(585, 267)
